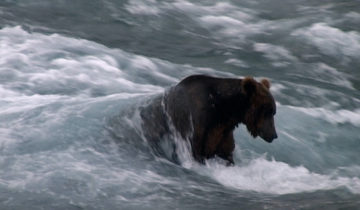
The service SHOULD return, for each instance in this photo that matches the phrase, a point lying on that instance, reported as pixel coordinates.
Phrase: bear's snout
(268, 137)
(271, 139)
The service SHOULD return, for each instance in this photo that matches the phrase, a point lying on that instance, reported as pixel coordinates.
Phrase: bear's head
(259, 117)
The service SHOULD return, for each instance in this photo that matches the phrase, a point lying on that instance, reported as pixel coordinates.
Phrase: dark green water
(73, 75)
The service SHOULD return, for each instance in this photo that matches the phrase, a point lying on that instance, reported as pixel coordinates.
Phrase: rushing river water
(74, 74)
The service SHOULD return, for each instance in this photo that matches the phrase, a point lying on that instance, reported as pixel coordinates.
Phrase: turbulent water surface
(75, 74)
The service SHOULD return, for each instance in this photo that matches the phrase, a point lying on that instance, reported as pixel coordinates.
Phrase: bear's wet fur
(205, 110)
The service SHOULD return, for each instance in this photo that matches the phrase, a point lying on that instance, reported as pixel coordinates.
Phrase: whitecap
(236, 62)
(326, 73)
(340, 116)
(218, 8)
(54, 64)
(225, 21)
(279, 55)
(234, 30)
(34, 63)
(5, 93)
(274, 177)
(354, 16)
(140, 7)
(330, 40)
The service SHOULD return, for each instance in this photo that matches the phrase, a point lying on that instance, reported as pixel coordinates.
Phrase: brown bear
(205, 110)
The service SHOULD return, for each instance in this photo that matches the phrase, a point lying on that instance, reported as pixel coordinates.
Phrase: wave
(274, 177)
(58, 92)
(34, 63)
(261, 175)
(332, 116)
(331, 41)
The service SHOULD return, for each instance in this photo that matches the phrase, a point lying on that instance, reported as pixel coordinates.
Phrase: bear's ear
(266, 83)
(248, 85)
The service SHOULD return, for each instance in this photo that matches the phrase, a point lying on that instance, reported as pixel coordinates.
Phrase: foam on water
(38, 64)
(226, 22)
(331, 41)
(58, 95)
(270, 176)
(233, 26)
(332, 116)
(281, 56)
(262, 175)
(52, 64)
(143, 8)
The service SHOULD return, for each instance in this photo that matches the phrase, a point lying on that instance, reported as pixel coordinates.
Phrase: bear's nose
(275, 136)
